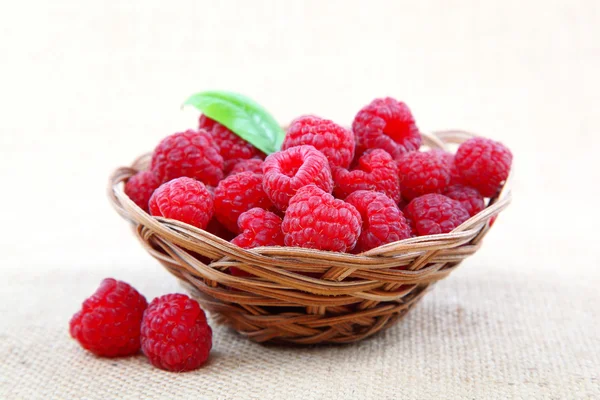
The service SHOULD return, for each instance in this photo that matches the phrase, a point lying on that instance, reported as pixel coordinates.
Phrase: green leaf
(242, 115)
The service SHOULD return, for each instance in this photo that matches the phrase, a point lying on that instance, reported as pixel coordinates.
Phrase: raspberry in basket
(140, 187)
(287, 171)
(192, 153)
(448, 158)
(184, 199)
(483, 164)
(422, 173)
(252, 165)
(375, 170)
(386, 124)
(434, 213)
(316, 220)
(383, 222)
(108, 323)
(175, 335)
(470, 198)
(259, 228)
(232, 147)
(206, 123)
(331, 139)
(236, 194)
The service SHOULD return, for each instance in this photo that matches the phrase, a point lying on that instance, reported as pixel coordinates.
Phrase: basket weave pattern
(299, 295)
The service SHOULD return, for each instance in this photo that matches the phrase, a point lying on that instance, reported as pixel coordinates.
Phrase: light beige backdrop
(86, 86)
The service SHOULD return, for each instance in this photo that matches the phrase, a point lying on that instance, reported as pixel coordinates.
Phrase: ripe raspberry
(287, 171)
(422, 173)
(376, 170)
(433, 213)
(140, 187)
(175, 334)
(236, 194)
(108, 323)
(206, 123)
(470, 198)
(259, 228)
(483, 164)
(316, 220)
(184, 199)
(192, 153)
(448, 158)
(251, 165)
(383, 222)
(333, 140)
(386, 124)
(232, 147)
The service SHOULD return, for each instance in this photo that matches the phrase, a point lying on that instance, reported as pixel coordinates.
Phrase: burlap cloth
(519, 320)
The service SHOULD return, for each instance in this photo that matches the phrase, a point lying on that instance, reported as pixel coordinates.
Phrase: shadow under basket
(299, 295)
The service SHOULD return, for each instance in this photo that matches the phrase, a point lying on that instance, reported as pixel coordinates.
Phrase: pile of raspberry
(329, 188)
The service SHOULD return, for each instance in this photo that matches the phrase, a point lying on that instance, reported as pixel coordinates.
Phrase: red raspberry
(448, 158)
(192, 153)
(483, 164)
(108, 323)
(287, 171)
(175, 334)
(232, 147)
(433, 213)
(422, 173)
(383, 222)
(376, 170)
(140, 187)
(236, 194)
(206, 123)
(252, 165)
(184, 199)
(386, 124)
(259, 228)
(470, 198)
(316, 220)
(333, 140)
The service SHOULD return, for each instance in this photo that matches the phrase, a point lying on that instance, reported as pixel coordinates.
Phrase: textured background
(87, 86)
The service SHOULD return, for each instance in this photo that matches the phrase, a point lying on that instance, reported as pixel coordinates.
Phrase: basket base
(295, 325)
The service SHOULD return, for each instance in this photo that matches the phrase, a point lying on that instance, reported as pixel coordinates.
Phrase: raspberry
(175, 334)
(434, 213)
(422, 173)
(184, 199)
(386, 124)
(333, 140)
(448, 158)
(316, 220)
(140, 187)
(108, 323)
(232, 147)
(470, 198)
(383, 222)
(259, 228)
(287, 171)
(192, 153)
(483, 164)
(252, 165)
(206, 123)
(236, 194)
(376, 170)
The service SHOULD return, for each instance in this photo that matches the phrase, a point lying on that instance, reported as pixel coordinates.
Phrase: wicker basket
(344, 298)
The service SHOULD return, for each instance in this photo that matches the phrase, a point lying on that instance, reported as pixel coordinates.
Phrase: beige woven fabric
(104, 80)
